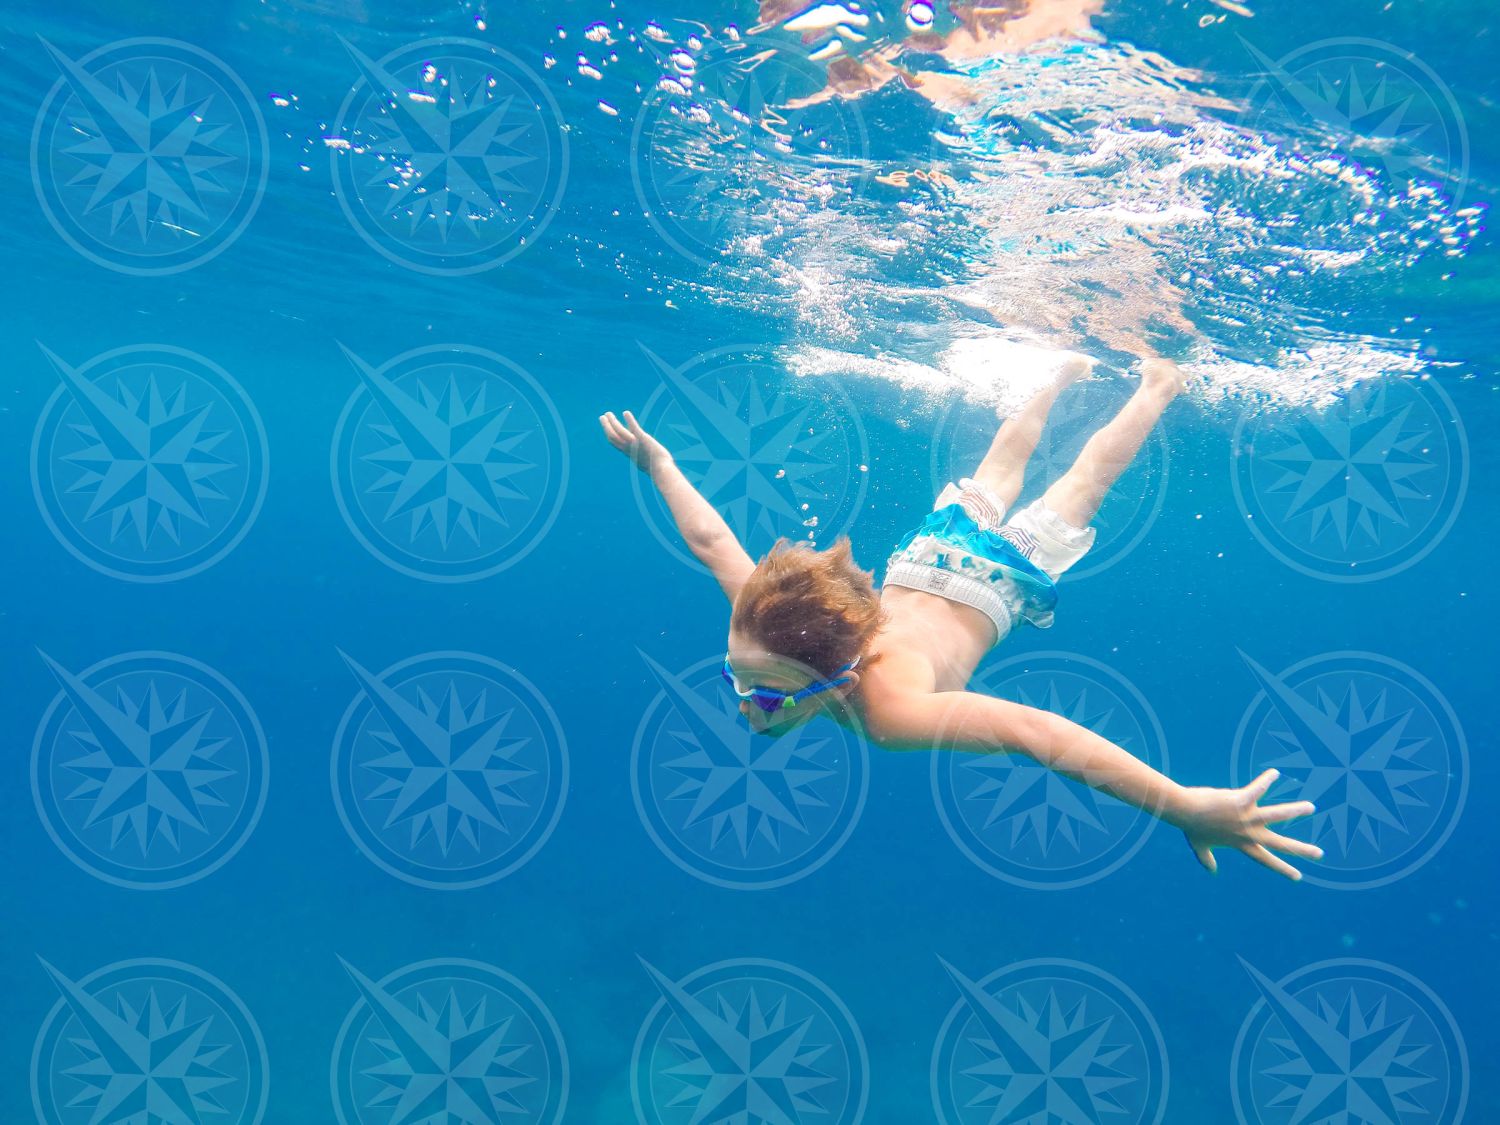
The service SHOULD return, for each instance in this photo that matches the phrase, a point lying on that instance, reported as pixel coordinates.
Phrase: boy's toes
(1163, 375)
(1074, 367)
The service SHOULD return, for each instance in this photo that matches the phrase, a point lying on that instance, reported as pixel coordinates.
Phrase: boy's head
(803, 616)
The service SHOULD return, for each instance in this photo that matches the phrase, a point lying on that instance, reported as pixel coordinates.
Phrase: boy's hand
(1231, 818)
(634, 442)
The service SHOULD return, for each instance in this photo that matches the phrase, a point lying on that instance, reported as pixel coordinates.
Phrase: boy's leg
(1004, 465)
(1077, 494)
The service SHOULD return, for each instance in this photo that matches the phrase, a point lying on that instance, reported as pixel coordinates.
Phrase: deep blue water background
(873, 922)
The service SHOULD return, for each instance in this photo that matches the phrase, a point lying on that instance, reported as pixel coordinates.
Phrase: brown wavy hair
(815, 607)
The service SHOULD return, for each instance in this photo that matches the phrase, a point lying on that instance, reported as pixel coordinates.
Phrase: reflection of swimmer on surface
(810, 635)
(1022, 75)
(978, 31)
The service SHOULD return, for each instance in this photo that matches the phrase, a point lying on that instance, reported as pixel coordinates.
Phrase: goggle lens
(767, 699)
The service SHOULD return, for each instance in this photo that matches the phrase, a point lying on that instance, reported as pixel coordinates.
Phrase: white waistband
(960, 588)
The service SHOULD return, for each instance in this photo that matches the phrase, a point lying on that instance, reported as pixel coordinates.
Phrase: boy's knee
(1071, 500)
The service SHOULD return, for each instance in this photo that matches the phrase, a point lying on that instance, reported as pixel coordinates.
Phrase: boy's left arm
(1210, 818)
(700, 525)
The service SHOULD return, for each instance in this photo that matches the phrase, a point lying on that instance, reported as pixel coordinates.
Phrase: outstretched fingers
(1257, 788)
(1262, 855)
(1291, 846)
(1205, 856)
(1265, 839)
(618, 435)
(1291, 810)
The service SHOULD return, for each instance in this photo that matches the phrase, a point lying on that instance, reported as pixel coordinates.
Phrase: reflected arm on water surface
(1209, 817)
(702, 528)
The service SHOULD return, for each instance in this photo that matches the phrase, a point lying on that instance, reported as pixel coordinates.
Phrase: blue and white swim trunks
(966, 551)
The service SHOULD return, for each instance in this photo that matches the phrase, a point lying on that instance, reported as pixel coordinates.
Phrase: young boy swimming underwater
(810, 635)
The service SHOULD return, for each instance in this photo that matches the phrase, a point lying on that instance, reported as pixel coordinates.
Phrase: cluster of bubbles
(605, 41)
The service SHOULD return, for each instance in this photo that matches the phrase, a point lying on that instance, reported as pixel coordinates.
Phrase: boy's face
(755, 667)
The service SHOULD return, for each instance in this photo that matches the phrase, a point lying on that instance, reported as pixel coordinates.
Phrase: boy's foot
(1163, 376)
(1073, 368)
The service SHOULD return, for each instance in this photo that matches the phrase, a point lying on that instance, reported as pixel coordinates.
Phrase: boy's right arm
(701, 527)
(1209, 817)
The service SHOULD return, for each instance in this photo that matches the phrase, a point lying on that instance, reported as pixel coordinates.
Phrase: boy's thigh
(1046, 539)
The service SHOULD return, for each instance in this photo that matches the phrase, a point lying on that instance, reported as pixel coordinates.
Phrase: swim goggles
(771, 700)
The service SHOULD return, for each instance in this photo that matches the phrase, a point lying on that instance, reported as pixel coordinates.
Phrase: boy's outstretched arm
(1210, 818)
(701, 527)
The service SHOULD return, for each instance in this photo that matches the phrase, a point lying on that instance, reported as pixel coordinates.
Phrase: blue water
(813, 331)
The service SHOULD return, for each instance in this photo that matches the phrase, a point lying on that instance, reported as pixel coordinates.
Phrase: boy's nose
(756, 719)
